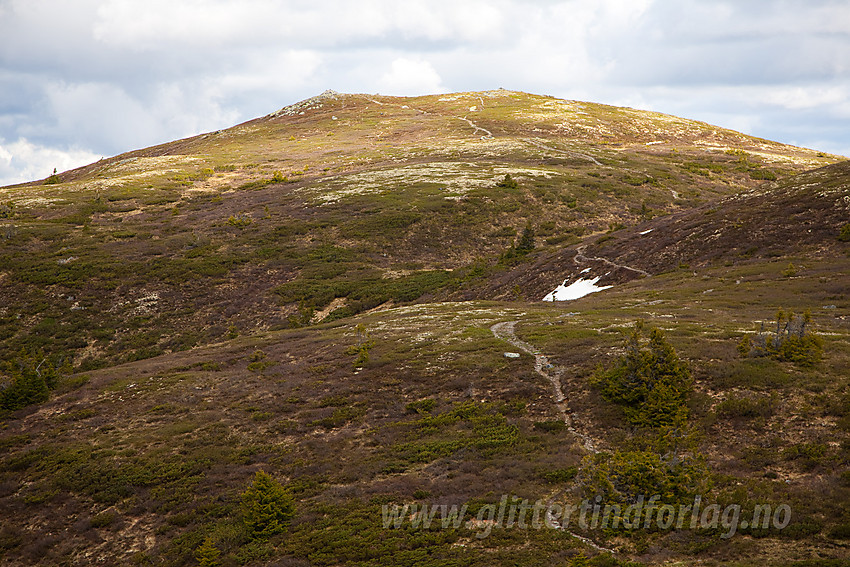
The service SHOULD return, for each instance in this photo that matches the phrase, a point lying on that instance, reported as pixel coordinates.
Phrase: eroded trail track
(506, 331)
(487, 133)
(580, 258)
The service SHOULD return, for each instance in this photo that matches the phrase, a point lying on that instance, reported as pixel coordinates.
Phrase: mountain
(327, 293)
(797, 219)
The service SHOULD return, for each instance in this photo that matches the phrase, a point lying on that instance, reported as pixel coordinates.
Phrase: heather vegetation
(237, 348)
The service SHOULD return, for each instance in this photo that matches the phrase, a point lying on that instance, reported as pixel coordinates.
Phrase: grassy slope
(145, 459)
(187, 243)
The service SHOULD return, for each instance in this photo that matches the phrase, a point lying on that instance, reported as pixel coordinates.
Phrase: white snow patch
(584, 271)
(575, 290)
(647, 231)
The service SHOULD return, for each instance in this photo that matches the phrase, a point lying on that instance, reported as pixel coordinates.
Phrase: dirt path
(506, 331)
(476, 128)
(487, 133)
(580, 258)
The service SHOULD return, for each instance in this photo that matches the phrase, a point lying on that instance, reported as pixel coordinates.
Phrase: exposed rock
(306, 104)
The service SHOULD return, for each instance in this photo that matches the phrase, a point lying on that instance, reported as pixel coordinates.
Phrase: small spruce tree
(267, 507)
(791, 341)
(208, 554)
(30, 383)
(526, 240)
(649, 381)
(508, 182)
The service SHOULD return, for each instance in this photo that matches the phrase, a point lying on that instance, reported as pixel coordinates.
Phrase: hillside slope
(796, 220)
(328, 294)
(338, 204)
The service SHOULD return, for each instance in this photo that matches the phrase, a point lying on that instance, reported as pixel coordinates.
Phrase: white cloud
(811, 96)
(24, 161)
(272, 71)
(107, 116)
(410, 77)
(155, 24)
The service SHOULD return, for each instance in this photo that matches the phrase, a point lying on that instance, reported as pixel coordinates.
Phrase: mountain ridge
(330, 297)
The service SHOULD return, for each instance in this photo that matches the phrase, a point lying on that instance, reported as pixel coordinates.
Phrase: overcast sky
(84, 79)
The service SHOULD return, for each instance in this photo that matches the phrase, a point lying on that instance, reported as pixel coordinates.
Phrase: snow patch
(575, 290)
(647, 231)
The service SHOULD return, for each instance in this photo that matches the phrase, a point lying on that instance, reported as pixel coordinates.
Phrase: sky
(85, 79)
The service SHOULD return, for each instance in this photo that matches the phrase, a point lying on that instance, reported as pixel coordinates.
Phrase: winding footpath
(506, 331)
(487, 133)
(581, 258)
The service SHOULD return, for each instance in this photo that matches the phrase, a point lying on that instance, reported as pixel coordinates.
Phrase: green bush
(841, 531)
(360, 351)
(553, 426)
(621, 477)
(808, 455)
(239, 221)
(792, 340)
(208, 554)
(764, 174)
(267, 507)
(790, 271)
(468, 425)
(526, 241)
(32, 377)
(507, 183)
(560, 475)
(102, 520)
(421, 406)
(649, 381)
(389, 224)
(844, 233)
(340, 417)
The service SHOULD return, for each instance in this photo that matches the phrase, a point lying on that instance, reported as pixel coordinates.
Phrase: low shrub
(622, 477)
(791, 341)
(102, 520)
(747, 407)
(508, 183)
(560, 475)
(31, 379)
(421, 406)
(553, 426)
